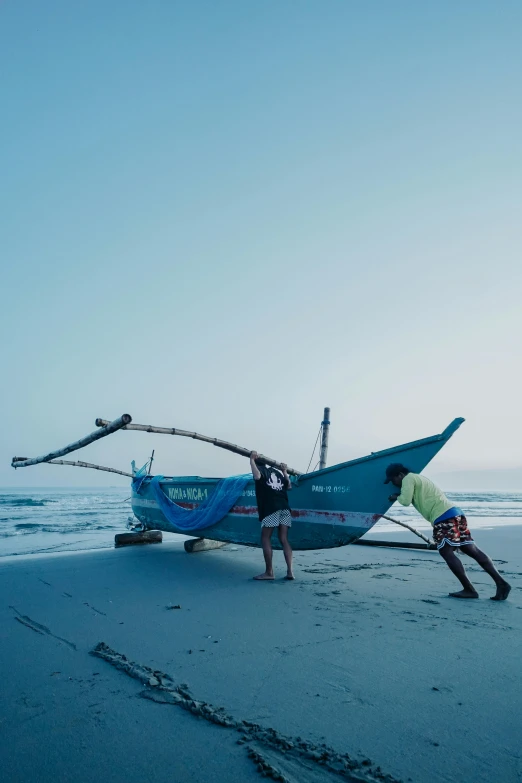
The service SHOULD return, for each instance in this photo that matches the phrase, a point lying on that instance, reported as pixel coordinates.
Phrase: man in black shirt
(274, 511)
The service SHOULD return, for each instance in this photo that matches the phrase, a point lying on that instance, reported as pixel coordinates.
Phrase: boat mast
(325, 424)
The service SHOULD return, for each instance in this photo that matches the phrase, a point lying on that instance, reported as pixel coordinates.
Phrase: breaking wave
(13, 500)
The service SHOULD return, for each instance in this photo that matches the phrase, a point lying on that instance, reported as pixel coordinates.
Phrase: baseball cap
(393, 470)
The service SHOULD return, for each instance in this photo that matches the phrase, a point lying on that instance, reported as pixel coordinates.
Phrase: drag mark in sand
(289, 760)
(38, 628)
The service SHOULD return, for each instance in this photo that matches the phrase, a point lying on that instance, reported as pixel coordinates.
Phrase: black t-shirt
(271, 493)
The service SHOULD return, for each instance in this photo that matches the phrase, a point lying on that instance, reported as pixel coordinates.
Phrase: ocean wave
(485, 497)
(11, 500)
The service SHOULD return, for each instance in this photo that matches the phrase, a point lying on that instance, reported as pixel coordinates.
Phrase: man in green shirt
(450, 527)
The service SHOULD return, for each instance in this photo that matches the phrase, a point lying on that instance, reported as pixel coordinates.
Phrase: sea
(46, 520)
(36, 520)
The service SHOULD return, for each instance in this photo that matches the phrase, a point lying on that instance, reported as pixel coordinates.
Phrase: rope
(313, 452)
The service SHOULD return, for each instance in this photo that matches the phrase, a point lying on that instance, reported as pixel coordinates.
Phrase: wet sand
(362, 669)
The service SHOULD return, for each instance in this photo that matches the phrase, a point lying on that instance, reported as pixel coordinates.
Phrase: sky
(225, 216)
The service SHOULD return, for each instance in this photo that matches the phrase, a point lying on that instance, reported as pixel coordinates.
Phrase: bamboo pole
(107, 429)
(80, 464)
(403, 524)
(222, 444)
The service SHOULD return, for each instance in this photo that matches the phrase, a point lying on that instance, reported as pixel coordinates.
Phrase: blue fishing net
(208, 513)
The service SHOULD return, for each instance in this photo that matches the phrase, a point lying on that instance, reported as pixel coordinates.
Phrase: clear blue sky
(223, 216)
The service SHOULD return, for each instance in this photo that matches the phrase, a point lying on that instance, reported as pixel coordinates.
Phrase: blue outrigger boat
(330, 507)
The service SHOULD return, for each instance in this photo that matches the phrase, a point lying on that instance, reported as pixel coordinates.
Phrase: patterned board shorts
(283, 517)
(453, 531)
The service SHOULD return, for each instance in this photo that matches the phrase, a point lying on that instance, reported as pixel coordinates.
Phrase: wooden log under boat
(202, 545)
(142, 537)
(395, 544)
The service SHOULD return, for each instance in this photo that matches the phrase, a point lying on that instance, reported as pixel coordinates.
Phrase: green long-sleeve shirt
(429, 500)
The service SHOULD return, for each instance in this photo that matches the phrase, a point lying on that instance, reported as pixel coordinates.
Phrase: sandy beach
(362, 664)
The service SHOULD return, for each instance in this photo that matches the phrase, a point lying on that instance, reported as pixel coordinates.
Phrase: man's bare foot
(465, 594)
(502, 592)
(264, 577)
(289, 576)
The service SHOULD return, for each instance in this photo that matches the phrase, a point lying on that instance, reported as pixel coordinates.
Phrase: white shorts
(282, 517)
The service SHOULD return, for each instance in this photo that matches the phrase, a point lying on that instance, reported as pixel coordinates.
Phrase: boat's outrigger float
(331, 507)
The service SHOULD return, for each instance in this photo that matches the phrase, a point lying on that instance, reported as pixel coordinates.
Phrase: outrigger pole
(80, 464)
(108, 428)
(222, 444)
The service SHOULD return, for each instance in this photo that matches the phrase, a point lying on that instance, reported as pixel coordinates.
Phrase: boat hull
(330, 508)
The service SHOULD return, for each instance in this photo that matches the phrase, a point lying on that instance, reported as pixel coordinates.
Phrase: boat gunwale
(443, 436)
